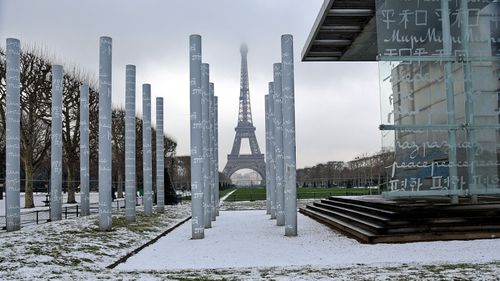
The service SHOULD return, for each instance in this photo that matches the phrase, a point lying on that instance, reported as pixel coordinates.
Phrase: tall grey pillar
(197, 225)
(160, 158)
(12, 135)
(278, 138)
(105, 133)
(130, 176)
(272, 152)
(147, 173)
(205, 89)
(268, 164)
(216, 153)
(211, 119)
(84, 151)
(288, 108)
(56, 145)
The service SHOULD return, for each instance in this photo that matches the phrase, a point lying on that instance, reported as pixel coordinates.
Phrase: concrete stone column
(268, 164)
(12, 135)
(272, 152)
(289, 157)
(216, 153)
(160, 158)
(197, 225)
(84, 151)
(147, 161)
(130, 142)
(56, 145)
(211, 120)
(205, 89)
(105, 133)
(278, 148)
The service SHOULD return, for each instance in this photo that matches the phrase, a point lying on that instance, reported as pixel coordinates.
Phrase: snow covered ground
(74, 249)
(250, 239)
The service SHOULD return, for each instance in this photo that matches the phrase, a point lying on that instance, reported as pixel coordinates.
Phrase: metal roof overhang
(344, 30)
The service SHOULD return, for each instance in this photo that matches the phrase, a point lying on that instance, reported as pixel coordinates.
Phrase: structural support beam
(205, 89)
(333, 42)
(12, 135)
(146, 150)
(216, 152)
(56, 145)
(351, 12)
(84, 151)
(278, 148)
(341, 28)
(160, 158)
(469, 99)
(211, 119)
(272, 152)
(450, 95)
(289, 157)
(105, 133)
(197, 226)
(130, 176)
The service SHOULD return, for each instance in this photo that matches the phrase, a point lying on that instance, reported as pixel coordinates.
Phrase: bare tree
(71, 126)
(36, 126)
(118, 148)
(35, 117)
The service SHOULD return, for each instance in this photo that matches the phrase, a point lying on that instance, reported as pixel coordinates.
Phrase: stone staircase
(374, 219)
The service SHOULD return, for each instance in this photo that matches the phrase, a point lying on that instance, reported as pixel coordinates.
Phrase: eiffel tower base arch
(255, 163)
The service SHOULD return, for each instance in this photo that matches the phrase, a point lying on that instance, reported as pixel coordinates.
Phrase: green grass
(259, 193)
(223, 192)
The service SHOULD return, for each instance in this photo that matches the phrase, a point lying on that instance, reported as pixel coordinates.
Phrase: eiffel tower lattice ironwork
(245, 129)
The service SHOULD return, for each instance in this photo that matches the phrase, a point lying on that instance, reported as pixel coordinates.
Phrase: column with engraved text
(197, 225)
(105, 133)
(12, 135)
(130, 176)
(56, 145)
(84, 151)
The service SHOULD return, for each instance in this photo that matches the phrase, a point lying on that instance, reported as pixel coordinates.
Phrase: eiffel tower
(245, 129)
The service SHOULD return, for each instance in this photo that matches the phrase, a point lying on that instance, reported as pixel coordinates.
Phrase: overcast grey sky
(337, 104)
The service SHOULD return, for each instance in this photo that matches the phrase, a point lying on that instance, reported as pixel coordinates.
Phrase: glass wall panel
(439, 88)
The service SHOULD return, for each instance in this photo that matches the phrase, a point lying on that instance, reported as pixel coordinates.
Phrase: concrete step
(370, 220)
(353, 231)
(351, 220)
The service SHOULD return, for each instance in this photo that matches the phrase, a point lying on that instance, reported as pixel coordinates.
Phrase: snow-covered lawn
(242, 245)
(76, 247)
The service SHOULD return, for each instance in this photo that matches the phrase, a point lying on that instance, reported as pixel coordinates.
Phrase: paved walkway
(251, 239)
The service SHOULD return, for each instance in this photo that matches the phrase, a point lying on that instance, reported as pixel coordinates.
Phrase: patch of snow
(250, 239)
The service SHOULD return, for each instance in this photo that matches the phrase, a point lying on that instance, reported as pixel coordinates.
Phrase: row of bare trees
(362, 171)
(180, 171)
(36, 127)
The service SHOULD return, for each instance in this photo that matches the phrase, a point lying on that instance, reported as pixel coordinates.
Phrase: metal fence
(42, 214)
